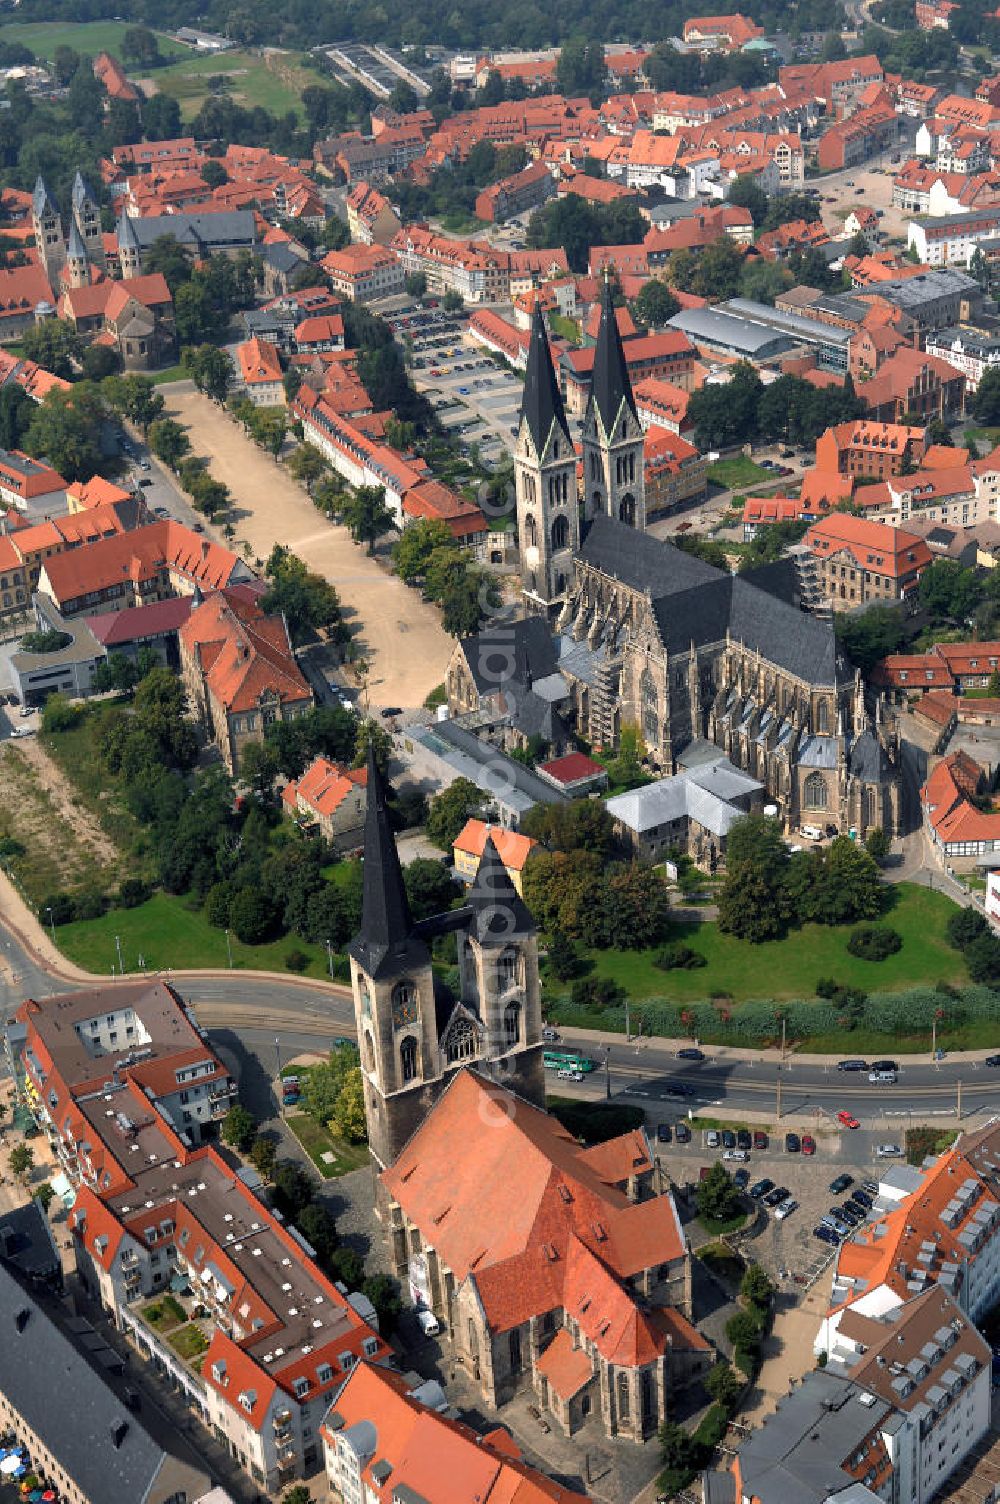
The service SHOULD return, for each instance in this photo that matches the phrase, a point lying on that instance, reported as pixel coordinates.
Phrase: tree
(213, 173)
(251, 916)
(135, 396)
(416, 284)
(964, 926)
(350, 1113)
(325, 1082)
(46, 1195)
(306, 465)
(753, 901)
(577, 825)
(655, 304)
(677, 1450)
(65, 429)
(449, 811)
(307, 601)
(847, 886)
(562, 957)
(117, 675)
(161, 117)
(263, 1155)
(239, 1127)
(317, 1226)
(452, 302)
(347, 1266)
(877, 844)
(755, 1288)
(293, 1190)
(16, 408)
(429, 887)
(139, 45)
(717, 1197)
(950, 591)
(580, 69)
(22, 1162)
(210, 369)
(259, 769)
(723, 1386)
(986, 402)
(371, 734)
(383, 1292)
(169, 442)
(167, 256)
(727, 415)
(869, 636)
(416, 546)
(367, 516)
(99, 361)
(982, 957)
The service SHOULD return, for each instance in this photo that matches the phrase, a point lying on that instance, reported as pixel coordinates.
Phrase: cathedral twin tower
(552, 504)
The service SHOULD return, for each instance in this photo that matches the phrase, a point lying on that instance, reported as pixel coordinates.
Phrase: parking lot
(474, 399)
(777, 1238)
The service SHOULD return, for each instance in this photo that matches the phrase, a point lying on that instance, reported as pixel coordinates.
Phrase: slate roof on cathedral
(695, 602)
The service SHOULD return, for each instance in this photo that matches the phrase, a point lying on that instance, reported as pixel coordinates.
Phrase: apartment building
(917, 383)
(721, 33)
(858, 562)
(330, 799)
(384, 1439)
(860, 137)
(870, 449)
(158, 1209)
(260, 373)
(969, 350)
(675, 472)
(370, 215)
(669, 356)
(150, 563)
(30, 485)
(364, 272)
(516, 194)
(952, 239)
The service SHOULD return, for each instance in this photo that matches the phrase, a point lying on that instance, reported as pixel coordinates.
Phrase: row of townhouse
(476, 270)
(952, 239)
(115, 1080)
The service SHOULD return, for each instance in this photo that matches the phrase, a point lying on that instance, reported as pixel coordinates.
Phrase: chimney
(21, 1318)
(119, 1430)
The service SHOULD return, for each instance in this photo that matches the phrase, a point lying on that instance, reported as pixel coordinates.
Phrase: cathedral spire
(542, 403)
(387, 939)
(610, 385)
(499, 912)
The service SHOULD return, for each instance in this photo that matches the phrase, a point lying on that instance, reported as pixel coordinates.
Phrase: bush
(296, 960)
(965, 926)
(60, 715)
(597, 992)
(132, 891)
(251, 915)
(89, 905)
(57, 908)
(877, 844)
(10, 847)
(982, 957)
(874, 942)
(678, 957)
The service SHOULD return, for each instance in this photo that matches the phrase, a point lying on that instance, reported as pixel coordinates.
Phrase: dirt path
(66, 845)
(788, 1351)
(67, 802)
(399, 634)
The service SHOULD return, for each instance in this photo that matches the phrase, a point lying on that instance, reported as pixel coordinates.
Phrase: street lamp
(52, 923)
(329, 958)
(229, 950)
(121, 963)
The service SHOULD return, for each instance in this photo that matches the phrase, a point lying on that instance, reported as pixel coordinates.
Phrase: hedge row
(759, 1020)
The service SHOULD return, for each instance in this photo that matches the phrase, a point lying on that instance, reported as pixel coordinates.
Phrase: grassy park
(792, 966)
(739, 471)
(88, 37)
(274, 82)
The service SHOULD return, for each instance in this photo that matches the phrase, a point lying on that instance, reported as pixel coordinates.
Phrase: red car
(808, 1144)
(847, 1120)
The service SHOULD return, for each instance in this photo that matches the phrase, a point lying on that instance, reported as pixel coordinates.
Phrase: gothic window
(529, 488)
(404, 1004)
(555, 449)
(560, 533)
(367, 1051)
(515, 1350)
(596, 501)
(871, 807)
(366, 998)
(530, 530)
(650, 708)
(624, 1398)
(815, 791)
(511, 1024)
(560, 584)
(822, 718)
(563, 486)
(647, 1393)
(626, 511)
(461, 1042)
(408, 1058)
(508, 970)
(631, 467)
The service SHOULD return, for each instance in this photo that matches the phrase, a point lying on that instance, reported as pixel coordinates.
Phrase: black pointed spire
(610, 385)
(387, 940)
(542, 403)
(499, 913)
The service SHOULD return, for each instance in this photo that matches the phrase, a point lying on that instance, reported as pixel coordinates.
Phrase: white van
(566, 1073)
(811, 832)
(736, 1156)
(429, 1324)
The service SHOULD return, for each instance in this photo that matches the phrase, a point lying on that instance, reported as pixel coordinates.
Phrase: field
(791, 967)
(89, 37)
(63, 845)
(739, 471)
(275, 82)
(169, 935)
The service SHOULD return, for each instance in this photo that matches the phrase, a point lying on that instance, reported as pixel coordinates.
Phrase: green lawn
(566, 328)
(317, 1140)
(716, 1226)
(275, 83)
(791, 967)
(170, 935)
(189, 1342)
(169, 373)
(739, 471)
(89, 37)
(164, 1314)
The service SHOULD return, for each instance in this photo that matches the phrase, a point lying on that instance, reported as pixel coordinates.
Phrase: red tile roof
(571, 768)
(242, 653)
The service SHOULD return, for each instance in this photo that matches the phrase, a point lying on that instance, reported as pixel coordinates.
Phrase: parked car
(992, 1060)
(847, 1119)
(759, 1139)
(682, 1133)
(736, 1155)
(871, 1187)
(429, 1324)
(785, 1209)
(808, 1144)
(690, 1053)
(712, 1139)
(551, 1034)
(779, 1194)
(889, 1151)
(826, 1235)
(792, 1143)
(852, 1065)
(743, 1139)
(841, 1183)
(849, 1214)
(741, 1179)
(663, 1134)
(882, 1078)
(760, 1190)
(728, 1138)
(863, 1199)
(391, 710)
(885, 1065)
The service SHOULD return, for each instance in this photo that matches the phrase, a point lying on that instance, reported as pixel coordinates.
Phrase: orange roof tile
(513, 848)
